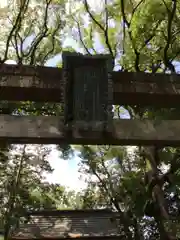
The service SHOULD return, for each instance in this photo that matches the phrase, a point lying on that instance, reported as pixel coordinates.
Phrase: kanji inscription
(88, 88)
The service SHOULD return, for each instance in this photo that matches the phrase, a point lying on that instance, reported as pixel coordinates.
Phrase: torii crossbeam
(46, 84)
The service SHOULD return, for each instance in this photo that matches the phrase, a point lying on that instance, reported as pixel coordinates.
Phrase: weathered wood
(88, 87)
(45, 84)
(51, 130)
(146, 89)
(21, 83)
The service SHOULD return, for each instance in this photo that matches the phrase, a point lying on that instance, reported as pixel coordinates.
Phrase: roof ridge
(68, 211)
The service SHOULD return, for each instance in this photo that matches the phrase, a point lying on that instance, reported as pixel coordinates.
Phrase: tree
(118, 184)
(23, 187)
(20, 173)
(140, 36)
(28, 41)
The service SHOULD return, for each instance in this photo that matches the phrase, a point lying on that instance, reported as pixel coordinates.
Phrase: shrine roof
(53, 224)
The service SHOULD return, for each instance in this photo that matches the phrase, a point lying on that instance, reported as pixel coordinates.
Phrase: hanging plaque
(87, 89)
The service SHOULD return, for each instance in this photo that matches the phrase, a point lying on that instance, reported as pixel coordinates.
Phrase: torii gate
(89, 79)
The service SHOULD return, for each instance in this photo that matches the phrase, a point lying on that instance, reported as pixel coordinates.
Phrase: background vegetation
(141, 183)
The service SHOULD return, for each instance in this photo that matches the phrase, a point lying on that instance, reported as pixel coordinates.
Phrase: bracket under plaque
(87, 89)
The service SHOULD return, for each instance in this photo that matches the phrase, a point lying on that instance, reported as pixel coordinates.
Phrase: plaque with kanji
(87, 88)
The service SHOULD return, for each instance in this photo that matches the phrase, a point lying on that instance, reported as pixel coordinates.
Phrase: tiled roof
(65, 224)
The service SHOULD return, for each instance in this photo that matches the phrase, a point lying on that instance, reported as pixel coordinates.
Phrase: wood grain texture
(51, 130)
(21, 83)
(88, 87)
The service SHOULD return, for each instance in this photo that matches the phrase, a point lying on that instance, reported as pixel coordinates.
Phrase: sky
(65, 171)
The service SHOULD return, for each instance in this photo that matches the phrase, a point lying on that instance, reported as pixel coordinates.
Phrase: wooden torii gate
(87, 88)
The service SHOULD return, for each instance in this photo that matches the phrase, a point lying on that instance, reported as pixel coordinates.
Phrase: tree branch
(137, 54)
(171, 15)
(103, 29)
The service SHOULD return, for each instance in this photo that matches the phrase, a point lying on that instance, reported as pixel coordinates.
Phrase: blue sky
(65, 171)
